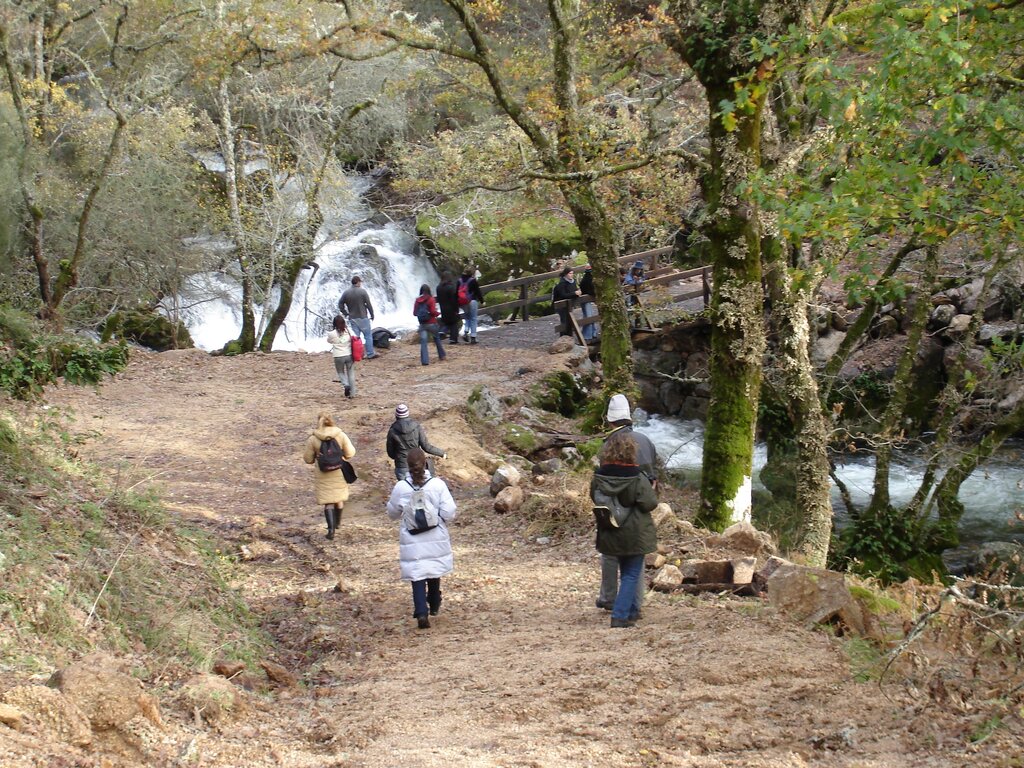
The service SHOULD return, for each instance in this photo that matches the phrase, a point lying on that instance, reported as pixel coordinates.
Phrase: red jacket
(431, 308)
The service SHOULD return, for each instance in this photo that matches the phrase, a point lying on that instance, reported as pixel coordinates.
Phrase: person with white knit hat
(405, 434)
(620, 417)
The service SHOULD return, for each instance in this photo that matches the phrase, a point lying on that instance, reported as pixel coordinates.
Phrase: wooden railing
(654, 274)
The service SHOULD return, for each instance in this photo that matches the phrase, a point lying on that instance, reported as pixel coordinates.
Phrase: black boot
(337, 518)
(331, 525)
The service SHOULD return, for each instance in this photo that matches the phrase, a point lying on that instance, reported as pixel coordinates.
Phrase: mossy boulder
(150, 329)
(560, 392)
(521, 440)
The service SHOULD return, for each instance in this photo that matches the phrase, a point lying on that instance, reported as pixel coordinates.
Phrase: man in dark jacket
(448, 300)
(469, 284)
(355, 305)
(565, 289)
(404, 435)
(620, 417)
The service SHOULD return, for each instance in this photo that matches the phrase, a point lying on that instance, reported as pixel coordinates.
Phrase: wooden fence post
(524, 296)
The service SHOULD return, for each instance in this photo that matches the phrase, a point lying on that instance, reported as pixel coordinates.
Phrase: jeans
(610, 582)
(426, 331)
(472, 310)
(590, 310)
(426, 595)
(364, 325)
(630, 569)
(346, 373)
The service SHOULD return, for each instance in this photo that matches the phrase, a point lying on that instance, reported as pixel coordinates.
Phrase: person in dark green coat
(625, 531)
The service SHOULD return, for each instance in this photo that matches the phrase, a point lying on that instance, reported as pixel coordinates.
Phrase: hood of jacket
(405, 427)
(322, 433)
(624, 488)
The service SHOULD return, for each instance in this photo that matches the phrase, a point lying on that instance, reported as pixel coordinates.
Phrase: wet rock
(504, 477)
(52, 712)
(100, 688)
(216, 700)
(509, 500)
(667, 579)
(814, 595)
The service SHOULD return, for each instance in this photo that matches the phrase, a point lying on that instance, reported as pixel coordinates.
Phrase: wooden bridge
(655, 274)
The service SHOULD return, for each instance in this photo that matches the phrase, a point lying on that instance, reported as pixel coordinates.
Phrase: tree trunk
(738, 337)
(246, 340)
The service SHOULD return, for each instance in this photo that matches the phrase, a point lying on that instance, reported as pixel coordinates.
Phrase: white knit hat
(402, 411)
(618, 408)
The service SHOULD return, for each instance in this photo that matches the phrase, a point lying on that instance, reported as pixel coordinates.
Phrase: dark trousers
(426, 595)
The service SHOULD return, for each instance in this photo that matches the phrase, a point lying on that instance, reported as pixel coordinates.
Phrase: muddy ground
(519, 668)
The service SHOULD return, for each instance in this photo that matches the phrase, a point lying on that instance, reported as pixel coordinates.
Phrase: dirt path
(519, 669)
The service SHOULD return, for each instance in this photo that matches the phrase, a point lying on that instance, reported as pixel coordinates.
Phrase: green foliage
(866, 658)
(150, 329)
(31, 358)
(590, 448)
(560, 392)
(521, 440)
(885, 545)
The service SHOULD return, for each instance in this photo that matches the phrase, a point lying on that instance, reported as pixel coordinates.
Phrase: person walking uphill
(425, 309)
(355, 304)
(331, 488)
(404, 436)
(448, 301)
(625, 530)
(619, 416)
(340, 340)
(424, 506)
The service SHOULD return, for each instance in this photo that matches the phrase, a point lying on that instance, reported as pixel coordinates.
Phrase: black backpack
(330, 456)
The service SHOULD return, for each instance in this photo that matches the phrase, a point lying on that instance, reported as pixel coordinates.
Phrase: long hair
(619, 449)
(417, 461)
(425, 290)
(324, 419)
(339, 324)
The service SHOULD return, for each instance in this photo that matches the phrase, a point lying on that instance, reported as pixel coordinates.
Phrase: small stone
(743, 570)
(547, 467)
(509, 500)
(654, 560)
(544, 540)
(504, 477)
(216, 700)
(228, 668)
(343, 586)
(958, 325)
(278, 674)
(667, 579)
(12, 717)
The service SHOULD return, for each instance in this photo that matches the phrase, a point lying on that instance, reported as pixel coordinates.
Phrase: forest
(850, 171)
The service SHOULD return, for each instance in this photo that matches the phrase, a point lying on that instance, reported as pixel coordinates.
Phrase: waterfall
(387, 259)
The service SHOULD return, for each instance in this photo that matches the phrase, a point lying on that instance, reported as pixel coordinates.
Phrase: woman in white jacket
(424, 547)
(340, 340)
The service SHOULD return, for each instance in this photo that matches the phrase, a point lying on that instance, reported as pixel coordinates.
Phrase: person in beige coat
(331, 488)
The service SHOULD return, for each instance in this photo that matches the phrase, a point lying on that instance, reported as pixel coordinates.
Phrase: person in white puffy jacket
(424, 556)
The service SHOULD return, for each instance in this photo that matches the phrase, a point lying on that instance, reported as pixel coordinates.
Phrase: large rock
(667, 579)
(52, 712)
(561, 345)
(664, 517)
(217, 700)
(100, 688)
(504, 477)
(509, 500)
(743, 537)
(743, 570)
(814, 595)
(485, 405)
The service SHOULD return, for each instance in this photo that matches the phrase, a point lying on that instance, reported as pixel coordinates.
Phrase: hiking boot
(422, 622)
(348, 391)
(465, 337)
(622, 623)
(473, 340)
(602, 604)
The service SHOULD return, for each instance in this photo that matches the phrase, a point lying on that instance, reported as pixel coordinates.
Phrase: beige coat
(331, 487)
